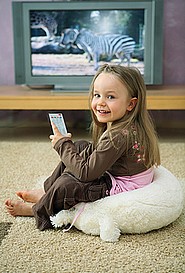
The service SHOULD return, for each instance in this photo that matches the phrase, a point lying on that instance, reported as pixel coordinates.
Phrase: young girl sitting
(120, 158)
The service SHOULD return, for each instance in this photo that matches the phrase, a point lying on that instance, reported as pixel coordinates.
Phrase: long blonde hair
(138, 118)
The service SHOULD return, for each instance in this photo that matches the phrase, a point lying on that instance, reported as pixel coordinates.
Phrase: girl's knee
(65, 183)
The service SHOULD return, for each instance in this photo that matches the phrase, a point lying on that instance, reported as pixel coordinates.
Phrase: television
(62, 44)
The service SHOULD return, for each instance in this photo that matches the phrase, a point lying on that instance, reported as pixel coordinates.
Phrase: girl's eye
(96, 95)
(110, 97)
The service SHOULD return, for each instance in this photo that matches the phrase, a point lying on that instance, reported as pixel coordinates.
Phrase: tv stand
(19, 97)
(69, 89)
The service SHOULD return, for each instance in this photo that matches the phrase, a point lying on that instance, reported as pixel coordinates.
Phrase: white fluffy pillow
(138, 211)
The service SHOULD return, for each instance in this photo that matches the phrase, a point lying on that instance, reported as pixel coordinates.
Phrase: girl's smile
(110, 99)
(102, 112)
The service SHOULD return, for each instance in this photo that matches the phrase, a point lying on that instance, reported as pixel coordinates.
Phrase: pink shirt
(129, 183)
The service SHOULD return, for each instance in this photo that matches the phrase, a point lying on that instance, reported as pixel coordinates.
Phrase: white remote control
(58, 120)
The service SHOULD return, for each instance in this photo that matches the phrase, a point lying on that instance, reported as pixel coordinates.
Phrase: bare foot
(18, 208)
(32, 196)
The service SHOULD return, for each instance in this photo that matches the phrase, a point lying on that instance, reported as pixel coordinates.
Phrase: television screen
(64, 43)
(77, 42)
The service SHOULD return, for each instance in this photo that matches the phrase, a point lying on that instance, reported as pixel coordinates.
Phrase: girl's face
(111, 99)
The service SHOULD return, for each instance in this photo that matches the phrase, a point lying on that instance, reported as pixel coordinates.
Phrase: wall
(174, 37)
(174, 42)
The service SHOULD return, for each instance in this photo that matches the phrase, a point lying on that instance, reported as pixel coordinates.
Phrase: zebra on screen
(95, 45)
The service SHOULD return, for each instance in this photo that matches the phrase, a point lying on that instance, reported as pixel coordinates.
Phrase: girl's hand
(57, 135)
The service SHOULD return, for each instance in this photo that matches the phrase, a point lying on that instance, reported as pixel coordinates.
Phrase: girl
(121, 157)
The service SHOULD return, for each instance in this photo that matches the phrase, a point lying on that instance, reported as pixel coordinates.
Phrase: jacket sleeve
(87, 165)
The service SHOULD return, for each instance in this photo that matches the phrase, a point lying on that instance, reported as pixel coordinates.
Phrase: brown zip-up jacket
(92, 162)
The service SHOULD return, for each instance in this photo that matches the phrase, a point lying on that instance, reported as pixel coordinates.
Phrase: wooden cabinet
(23, 98)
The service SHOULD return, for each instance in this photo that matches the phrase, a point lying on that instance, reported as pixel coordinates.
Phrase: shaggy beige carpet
(25, 249)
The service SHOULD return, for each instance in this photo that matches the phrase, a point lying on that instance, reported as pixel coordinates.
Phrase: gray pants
(63, 191)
